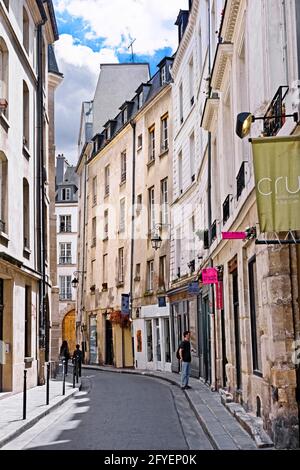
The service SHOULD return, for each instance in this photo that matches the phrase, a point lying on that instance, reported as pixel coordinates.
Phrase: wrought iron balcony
(226, 209)
(240, 181)
(276, 109)
(213, 231)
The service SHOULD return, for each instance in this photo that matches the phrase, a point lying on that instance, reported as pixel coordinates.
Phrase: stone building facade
(27, 86)
(102, 343)
(189, 205)
(66, 208)
(253, 333)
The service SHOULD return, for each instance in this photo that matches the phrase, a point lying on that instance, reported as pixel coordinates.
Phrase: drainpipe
(40, 174)
(133, 125)
(285, 47)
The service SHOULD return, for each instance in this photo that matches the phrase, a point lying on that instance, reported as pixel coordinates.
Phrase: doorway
(109, 356)
(69, 330)
(204, 340)
(237, 336)
(1, 329)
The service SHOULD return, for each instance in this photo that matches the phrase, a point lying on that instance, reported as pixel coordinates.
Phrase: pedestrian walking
(65, 354)
(77, 358)
(184, 351)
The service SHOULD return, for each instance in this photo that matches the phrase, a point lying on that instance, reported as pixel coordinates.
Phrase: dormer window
(108, 133)
(181, 22)
(124, 115)
(140, 100)
(163, 75)
(66, 194)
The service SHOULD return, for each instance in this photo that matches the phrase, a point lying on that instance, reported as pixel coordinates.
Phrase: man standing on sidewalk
(185, 358)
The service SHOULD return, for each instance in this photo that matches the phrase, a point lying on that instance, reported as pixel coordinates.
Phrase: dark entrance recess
(224, 358)
(204, 339)
(1, 326)
(235, 298)
(109, 356)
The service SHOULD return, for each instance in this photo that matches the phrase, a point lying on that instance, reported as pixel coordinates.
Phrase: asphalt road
(118, 412)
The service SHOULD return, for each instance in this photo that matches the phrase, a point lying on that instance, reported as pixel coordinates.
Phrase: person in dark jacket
(185, 358)
(65, 354)
(77, 356)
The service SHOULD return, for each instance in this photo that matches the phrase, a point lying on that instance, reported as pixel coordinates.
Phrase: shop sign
(233, 235)
(162, 302)
(210, 276)
(125, 304)
(194, 288)
(219, 295)
(277, 179)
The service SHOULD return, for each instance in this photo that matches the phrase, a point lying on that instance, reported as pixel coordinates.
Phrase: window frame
(253, 317)
(150, 275)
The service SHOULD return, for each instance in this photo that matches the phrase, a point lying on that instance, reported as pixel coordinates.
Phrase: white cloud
(80, 66)
(151, 22)
(70, 52)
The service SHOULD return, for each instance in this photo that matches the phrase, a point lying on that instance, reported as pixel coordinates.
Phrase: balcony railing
(240, 181)
(65, 260)
(226, 210)
(2, 226)
(123, 177)
(107, 190)
(276, 108)
(213, 231)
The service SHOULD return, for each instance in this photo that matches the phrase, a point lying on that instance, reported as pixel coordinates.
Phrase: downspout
(285, 46)
(40, 191)
(209, 193)
(133, 125)
(297, 6)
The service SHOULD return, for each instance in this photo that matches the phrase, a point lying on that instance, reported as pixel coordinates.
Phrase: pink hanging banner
(210, 276)
(233, 235)
(219, 295)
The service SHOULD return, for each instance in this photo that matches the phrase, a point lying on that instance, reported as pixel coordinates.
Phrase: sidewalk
(220, 425)
(11, 408)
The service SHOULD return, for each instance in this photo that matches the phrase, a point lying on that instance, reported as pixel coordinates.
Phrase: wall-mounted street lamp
(156, 239)
(245, 120)
(75, 280)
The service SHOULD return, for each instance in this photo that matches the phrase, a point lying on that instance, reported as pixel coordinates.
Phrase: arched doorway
(69, 330)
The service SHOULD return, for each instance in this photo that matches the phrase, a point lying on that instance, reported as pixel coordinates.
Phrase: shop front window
(167, 340)
(158, 347)
(149, 341)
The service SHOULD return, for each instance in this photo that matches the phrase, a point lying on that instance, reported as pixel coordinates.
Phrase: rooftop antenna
(131, 46)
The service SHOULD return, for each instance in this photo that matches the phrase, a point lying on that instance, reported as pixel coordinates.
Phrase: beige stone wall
(276, 311)
(148, 176)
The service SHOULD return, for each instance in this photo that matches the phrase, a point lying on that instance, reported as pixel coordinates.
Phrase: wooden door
(69, 330)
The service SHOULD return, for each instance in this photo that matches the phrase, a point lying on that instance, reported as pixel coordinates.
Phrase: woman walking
(65, 354)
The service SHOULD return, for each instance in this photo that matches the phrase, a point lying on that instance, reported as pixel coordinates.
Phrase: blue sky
(100, 31)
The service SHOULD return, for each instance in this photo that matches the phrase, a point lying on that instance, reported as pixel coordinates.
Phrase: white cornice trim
(188, 34)
(230, 17)
(224, 53)
(212, 105)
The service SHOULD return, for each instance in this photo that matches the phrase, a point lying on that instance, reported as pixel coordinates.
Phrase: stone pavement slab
(11, 408)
